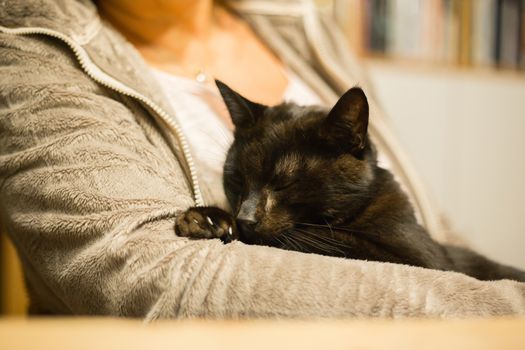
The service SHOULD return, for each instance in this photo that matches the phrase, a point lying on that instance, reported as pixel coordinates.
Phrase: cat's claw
(206, 223)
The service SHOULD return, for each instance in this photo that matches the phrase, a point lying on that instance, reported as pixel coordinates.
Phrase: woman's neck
(152, 22)
(185, 37)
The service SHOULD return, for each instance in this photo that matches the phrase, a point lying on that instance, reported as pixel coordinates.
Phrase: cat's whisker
(317, 242)
(303, 246)
(345, 229)
(317, 235)
(329, 227)
(327, 239)
(311, 243)
(327, 248)
(335, 228)
(292, 243)
(327, 224)
(280, 242)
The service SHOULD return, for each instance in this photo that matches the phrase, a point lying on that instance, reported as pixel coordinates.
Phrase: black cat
(307, 179)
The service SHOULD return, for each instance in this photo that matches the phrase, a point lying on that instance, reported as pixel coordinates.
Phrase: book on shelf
(461, 32)
(507, 52)
(483, 32)
(522, 36)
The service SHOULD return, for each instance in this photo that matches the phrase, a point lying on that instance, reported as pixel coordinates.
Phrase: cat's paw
(206, 222)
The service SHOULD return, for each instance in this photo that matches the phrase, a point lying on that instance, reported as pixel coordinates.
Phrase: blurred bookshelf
(477, 35)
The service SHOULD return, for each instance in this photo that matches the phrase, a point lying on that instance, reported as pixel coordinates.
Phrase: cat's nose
(246, 229)
(246, 225)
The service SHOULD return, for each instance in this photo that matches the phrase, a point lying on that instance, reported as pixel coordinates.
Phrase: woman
(96, 163)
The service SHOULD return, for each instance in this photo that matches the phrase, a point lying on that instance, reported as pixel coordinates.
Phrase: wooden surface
(13, 299)
(112, 334)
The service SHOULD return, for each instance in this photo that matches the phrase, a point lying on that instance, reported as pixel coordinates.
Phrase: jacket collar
(77, 19)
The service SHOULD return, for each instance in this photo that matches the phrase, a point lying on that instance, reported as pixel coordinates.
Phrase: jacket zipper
(95, 73)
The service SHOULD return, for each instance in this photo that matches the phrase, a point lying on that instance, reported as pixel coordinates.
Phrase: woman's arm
(90, 201)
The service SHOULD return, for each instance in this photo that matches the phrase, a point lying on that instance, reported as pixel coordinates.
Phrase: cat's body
(307, 179)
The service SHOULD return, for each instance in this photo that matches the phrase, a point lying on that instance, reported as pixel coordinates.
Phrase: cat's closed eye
(279, 185)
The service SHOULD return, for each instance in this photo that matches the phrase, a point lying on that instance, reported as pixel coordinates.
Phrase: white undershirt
(200, 110)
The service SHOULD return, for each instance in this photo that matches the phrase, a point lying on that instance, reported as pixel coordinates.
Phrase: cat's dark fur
(307, 179)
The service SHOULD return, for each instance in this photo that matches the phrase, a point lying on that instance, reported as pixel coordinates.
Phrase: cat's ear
(244, 113)
(347, 122)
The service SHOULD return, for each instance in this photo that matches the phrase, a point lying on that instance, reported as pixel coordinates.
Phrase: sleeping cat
(307, 179)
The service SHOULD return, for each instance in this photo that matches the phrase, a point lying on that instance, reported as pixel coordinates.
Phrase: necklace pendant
(201, 77)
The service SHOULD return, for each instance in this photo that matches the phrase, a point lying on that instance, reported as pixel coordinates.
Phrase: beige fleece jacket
(93, 172)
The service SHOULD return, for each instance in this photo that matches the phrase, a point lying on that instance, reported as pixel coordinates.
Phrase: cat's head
(291, 164)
